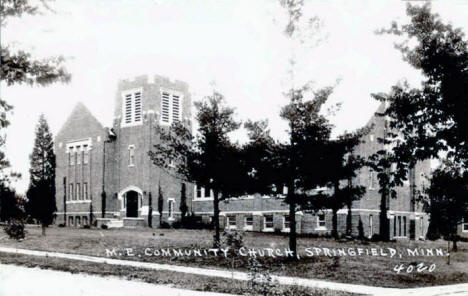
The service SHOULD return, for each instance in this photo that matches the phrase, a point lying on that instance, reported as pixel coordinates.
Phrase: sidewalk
(460, 289)
(43, 282)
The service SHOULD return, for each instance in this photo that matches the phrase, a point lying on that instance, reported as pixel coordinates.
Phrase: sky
(237, 46)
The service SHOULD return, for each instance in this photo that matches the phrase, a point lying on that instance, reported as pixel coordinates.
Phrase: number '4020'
(421, 267)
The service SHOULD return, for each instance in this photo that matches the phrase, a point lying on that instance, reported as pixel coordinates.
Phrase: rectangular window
(132, 107)
(286, 222)
(248, 223)
(85, 220)
(268, 222)
(170, 205)
(85, 191)
(78, 155)
(78, 191)
(128, 108)
(399, 225)
(86, 154)
(199, 191)
(131, 156)
(165, 107)
(171, 107)
(137, 107)
(465, 226)
(78, 221)
(72, 156)
(404, 225)
(231, 221)
(321, 220)
(70, 221)
(394, 225)
(207, 192)
(71, 193)
(371, 226)
(175, 108)
(371, 180)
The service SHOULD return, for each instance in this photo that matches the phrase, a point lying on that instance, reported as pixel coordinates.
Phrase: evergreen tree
(183, 202)
(160, 204)
(150, 210)
(41, 192)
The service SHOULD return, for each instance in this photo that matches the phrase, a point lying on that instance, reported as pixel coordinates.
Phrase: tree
(341, 168)
(447, 200)
(20, 68)
(430, 119)
(183, 202)
(150, 210)
(10, 204)
(294, 164)
(41, 192)
(203, 159)
(160, 203)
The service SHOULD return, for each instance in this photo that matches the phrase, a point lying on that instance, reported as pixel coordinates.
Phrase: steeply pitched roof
(80, 120)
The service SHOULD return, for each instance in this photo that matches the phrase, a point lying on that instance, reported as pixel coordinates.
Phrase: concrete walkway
(460, 289)
(42, 282)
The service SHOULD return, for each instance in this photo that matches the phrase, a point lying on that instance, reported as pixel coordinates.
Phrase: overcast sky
(238, 44)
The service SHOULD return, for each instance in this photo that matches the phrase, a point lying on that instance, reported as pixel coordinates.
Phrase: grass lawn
(366, 269)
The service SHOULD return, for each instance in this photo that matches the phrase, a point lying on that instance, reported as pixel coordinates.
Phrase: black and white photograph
(233, 147)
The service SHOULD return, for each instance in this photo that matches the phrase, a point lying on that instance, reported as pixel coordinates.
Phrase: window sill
(78, 201)
(202, 198)
(268, 230)
(286, 230)
(321, 228)
(248, 228)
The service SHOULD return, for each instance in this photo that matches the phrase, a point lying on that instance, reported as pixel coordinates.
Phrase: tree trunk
(292, 219)
(216, 219)
(349, 220)
(384, 225)
(43, 229)
(335, 223)
(335, 212)
(454, 242)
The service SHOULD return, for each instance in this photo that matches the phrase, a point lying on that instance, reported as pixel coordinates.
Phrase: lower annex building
(100, 167)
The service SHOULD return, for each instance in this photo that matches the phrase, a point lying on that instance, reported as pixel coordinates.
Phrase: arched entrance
(131, 201)
(131, 198)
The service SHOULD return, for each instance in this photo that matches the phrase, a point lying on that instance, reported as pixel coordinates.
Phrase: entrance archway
(131, 201)
(131, 198)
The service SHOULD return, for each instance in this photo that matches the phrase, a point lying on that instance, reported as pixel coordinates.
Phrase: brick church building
(95, 161)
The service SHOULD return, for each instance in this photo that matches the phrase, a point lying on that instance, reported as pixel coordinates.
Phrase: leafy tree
(447, 200)
(18, 67)
(41, 192)
(204, 159)
(297, 164)
(341, 168)
(431, 119)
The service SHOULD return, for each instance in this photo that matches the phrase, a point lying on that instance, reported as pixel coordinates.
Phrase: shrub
(104, 226)
(164, 225)
(15, 229)
(233, 239)
(260, 281)
(86, 227)
(61, 225)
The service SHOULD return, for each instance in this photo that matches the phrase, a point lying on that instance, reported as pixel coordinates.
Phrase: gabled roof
(80, 117)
